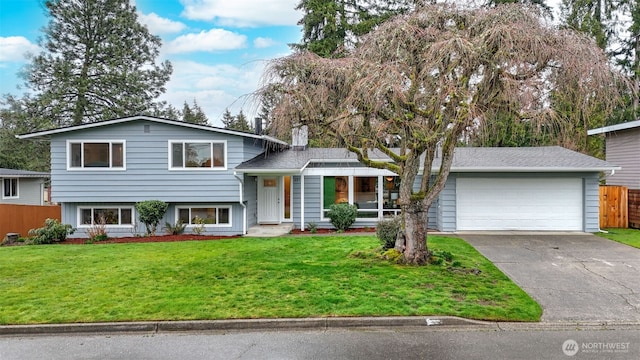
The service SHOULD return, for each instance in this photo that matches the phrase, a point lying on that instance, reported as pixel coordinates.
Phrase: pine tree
(98, 63)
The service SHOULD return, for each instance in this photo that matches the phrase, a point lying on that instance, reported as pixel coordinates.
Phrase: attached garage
(519, 204)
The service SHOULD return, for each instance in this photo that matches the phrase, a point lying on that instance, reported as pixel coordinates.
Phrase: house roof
(22, 173)
(46, 133)
(617, 127)
(466, 159)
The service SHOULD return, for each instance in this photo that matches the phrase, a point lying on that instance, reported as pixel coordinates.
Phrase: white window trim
(17, 196)
(230, 224)
(170, 166)
(380, 210)
(108, 226)
(96, 141)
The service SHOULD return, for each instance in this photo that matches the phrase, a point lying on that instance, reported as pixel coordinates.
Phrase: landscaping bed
(147, 239)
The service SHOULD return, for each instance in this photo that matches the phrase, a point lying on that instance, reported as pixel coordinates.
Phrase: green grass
(630, 237)
(247, 278)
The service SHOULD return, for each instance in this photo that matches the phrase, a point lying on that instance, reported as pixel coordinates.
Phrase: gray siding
(623, 149)
(29, 191)
(446, 214)
(147, 175)
(251, 199)
(69, 212)
(447, 210)
(591, 203)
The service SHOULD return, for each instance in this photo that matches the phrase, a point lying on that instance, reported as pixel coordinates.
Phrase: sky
(218, 48)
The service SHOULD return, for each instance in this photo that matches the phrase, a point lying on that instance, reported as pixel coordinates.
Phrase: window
(10, 188)
(197, 155)
(335, 191)
(390, 194)
(365, 196)
(88, 155)
(106, 215)
(208, 216)
(374, 196)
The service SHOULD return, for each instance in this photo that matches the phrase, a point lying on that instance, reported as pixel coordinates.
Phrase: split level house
(236, 180)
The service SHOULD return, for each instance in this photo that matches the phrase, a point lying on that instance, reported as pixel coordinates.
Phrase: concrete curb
(432, 323)
(241, 324)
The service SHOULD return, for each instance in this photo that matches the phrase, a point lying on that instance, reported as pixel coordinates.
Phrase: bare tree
(427, 77)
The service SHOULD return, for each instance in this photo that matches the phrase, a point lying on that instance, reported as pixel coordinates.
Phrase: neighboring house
(622, 147)
(234, 180)
(22, 187)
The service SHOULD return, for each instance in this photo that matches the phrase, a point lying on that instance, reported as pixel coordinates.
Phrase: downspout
(244, 207)
(301, 202)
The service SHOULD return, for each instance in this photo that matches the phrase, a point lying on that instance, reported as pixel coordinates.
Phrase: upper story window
(197, 155)
(10, 188)
(96, 154)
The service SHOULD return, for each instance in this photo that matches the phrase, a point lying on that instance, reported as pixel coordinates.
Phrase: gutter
(244, 207)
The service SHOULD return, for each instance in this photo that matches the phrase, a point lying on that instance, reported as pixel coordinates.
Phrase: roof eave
(45, 133)
(532, 169)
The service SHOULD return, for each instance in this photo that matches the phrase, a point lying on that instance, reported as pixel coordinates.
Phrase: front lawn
(303, 276)
(630, 237)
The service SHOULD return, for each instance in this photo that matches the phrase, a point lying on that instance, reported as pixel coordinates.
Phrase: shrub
(52, 231)
(176, 229)
(342, 215)
(387, 231)
(98, 231)
(150, 213)
(313, 227)
(198, 227)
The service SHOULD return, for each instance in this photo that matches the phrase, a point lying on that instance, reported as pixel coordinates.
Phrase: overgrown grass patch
(303, 276)
(629, 237)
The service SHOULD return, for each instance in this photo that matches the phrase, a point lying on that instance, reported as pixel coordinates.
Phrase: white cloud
(13, 48)
(215, 87)
(261, 42)
(243, 13)
(160, 25)
(212, 40)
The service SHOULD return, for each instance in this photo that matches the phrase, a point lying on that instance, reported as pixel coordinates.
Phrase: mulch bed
(146, 239)
(188, 237)
(333, 231)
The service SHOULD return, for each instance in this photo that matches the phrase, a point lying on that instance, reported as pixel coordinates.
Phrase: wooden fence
(21, 218)
(614, 205)
(634, 208)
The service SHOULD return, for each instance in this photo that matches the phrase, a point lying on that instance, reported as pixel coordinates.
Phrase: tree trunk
(412, 241)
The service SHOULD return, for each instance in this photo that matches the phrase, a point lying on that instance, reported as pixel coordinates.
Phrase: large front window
(362, 191)
(197, 155)
(106, 216)
(205, 215)
(98, 154)
(10, 188)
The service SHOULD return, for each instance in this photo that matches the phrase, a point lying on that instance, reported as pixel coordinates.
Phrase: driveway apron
(574, 277)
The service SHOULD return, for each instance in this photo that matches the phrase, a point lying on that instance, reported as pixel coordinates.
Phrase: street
(503, 342)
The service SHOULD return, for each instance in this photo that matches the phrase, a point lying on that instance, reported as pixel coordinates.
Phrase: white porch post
(301, 202)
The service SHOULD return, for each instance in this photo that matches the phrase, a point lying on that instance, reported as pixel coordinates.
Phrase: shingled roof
(22, 173)
(466, 159)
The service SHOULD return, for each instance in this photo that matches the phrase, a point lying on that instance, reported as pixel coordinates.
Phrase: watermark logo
(570, 347)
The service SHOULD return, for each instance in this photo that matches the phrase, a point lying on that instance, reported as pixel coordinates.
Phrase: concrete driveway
(574, 277)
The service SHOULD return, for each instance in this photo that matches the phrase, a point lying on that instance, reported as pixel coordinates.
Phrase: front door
(268, 200)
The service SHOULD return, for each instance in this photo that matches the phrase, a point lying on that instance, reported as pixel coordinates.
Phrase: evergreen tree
(16, 118)
(98, 63)
(194, 114)
(331, 26)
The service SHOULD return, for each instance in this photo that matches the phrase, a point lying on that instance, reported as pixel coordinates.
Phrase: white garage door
(519, 204)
